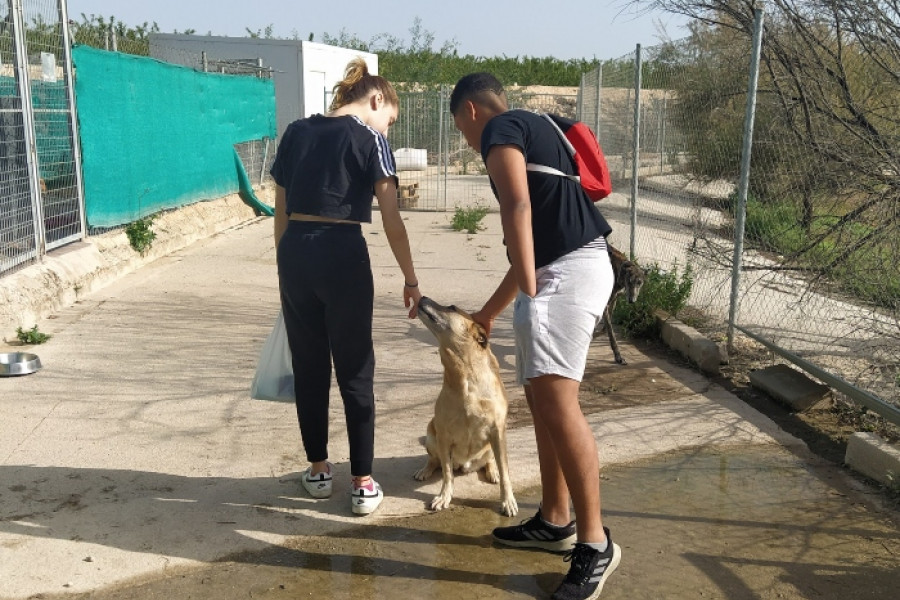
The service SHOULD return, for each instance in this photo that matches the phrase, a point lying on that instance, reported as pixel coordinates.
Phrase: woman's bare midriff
(302, 217)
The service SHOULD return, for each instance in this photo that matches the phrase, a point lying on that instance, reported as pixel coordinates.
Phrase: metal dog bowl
(18, 363)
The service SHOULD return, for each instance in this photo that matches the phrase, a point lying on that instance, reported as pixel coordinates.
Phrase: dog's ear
(479, 334)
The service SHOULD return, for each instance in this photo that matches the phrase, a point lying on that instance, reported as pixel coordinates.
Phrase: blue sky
(587, 29)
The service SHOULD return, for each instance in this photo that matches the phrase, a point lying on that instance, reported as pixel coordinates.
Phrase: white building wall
(304, 72)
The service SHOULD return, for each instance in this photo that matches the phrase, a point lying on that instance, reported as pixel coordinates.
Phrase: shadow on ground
(743, 523)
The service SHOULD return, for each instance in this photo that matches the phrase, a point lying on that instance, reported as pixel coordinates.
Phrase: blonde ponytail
(358, 84)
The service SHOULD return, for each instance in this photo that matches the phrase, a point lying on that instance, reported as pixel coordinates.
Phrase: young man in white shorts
(560, 279)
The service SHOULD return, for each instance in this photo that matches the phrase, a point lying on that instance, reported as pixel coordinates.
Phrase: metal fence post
(636, 155)
(579, 101)
(443, 144)
(265, 160)
(741, 208)
(24, 82)
(599, 93)
(73, 113)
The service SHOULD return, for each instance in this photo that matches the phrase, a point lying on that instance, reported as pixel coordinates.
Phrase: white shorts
(554, 329)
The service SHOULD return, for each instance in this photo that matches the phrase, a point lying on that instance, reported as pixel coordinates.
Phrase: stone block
(792, 388)
(874, 457)
(690, 343)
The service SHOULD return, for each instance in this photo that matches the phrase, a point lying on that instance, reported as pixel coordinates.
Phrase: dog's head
(454, 328)
(632, 277)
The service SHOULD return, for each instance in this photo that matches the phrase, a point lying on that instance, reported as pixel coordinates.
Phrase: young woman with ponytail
(327, 169)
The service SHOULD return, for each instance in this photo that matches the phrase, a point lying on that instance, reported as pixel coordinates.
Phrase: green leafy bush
(31, 336)
(140, 235)
(666, 290)
(468, 219)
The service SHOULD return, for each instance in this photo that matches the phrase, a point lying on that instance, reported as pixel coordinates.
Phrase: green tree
(826, 151)
(99, 32)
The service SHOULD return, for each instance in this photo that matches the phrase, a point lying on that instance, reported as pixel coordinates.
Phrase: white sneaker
(364, 500)
(318, 485)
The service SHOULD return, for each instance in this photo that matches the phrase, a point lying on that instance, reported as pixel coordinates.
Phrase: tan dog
(468, 431)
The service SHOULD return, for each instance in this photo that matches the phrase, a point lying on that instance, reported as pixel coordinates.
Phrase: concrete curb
(67, 274)
(690, 343)
(873, 457)
(866, 453)
(792, 388)
(679, 185)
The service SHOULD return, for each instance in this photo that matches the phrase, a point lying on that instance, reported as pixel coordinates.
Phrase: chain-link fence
(257, 157)
(40, 198)
(816, 224)
(437, 168)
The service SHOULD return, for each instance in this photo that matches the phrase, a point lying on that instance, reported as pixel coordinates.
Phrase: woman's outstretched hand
(411, 297)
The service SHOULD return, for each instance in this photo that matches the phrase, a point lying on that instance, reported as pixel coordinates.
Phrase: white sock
(549, 524)
(601, 546)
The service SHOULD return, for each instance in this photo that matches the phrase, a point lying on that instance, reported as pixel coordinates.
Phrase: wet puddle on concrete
(754, 523)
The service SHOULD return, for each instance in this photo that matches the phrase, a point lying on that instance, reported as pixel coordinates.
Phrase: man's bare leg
(564, 434)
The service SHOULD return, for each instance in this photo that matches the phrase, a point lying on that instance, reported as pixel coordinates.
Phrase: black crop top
(328, 167)
(563, 218)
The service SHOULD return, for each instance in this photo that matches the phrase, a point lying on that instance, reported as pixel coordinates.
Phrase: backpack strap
(550, 171)
(559, 132)
(569, 148)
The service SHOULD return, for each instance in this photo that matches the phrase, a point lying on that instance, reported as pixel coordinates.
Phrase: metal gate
(41, 203)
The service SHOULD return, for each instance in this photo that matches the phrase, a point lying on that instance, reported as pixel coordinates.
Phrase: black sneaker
(589, 571)
(535, 533)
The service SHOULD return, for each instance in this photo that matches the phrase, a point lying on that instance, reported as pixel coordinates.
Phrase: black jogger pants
(327, 296)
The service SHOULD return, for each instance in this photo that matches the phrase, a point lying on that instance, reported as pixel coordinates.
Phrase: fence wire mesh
(46, 46)
(17, 220)
(819, 274)
(40, 206)
(437, 168)
(257, 157)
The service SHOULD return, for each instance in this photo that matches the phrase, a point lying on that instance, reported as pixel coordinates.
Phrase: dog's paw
(621, 360)
(509, 507)
(440, 503)
(423, 474)
(491, 474)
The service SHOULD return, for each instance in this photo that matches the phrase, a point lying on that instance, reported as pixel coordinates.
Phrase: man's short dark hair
(475, 86)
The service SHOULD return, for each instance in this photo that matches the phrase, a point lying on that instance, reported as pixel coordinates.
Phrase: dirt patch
(826, 432)
(609, 386)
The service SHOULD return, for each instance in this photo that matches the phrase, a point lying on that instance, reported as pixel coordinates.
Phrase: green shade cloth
(156, 136)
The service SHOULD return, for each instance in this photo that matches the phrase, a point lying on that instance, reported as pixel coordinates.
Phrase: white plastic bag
(274, 379)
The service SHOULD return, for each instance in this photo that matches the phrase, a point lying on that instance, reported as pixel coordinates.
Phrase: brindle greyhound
(629, 279)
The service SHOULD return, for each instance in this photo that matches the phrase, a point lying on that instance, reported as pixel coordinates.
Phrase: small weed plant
(140, 235)
(668, 290)
(468, 219)
(31, 336)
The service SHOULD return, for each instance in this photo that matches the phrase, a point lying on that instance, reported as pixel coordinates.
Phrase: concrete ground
(134, 464)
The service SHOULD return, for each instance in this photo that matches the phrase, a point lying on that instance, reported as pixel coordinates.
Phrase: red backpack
(590, 164)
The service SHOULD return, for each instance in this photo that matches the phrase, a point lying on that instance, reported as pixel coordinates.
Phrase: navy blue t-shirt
(328, 167)
(563, 217)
